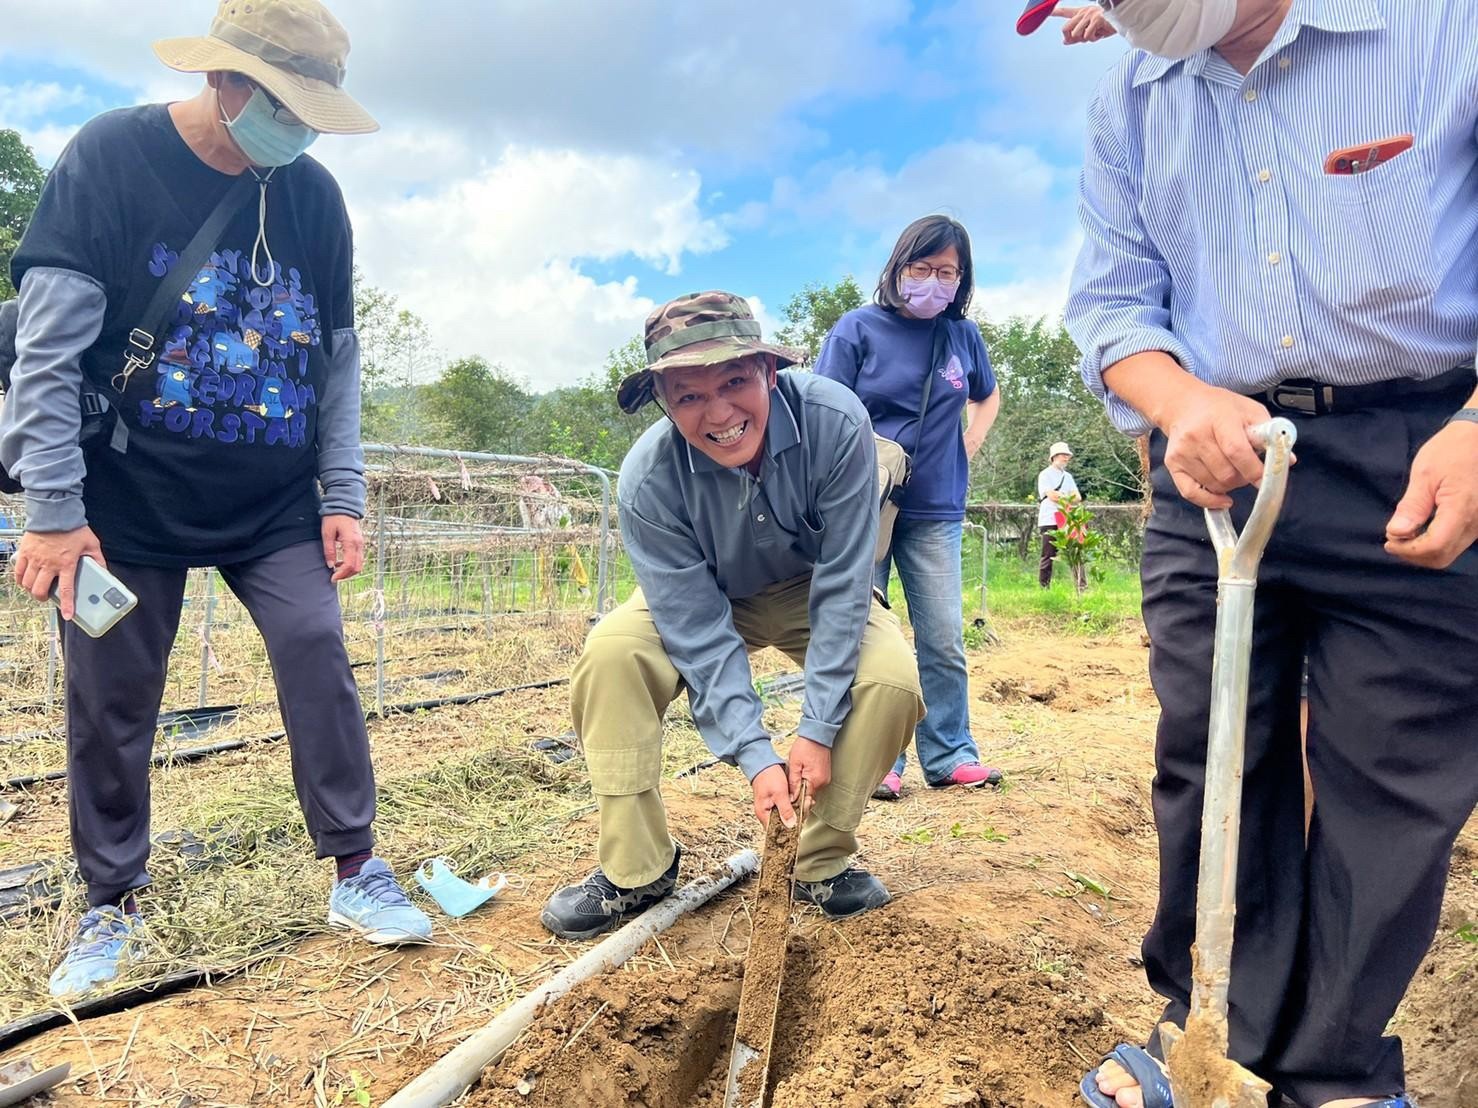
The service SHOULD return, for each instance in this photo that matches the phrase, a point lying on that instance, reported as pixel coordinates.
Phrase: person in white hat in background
(1056, 490)
(226, 416)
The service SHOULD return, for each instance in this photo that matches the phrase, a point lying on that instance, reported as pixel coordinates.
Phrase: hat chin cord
(260, 243)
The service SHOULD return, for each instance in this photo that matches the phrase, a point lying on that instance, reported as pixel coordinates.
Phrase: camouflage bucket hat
(699, 329)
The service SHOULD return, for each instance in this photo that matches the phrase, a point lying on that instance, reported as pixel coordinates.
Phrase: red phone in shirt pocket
(1366, 156)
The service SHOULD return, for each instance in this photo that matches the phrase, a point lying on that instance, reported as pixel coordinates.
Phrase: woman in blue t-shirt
(915, 332)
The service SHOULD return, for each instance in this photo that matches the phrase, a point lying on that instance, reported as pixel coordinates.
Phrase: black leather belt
(1302, 396)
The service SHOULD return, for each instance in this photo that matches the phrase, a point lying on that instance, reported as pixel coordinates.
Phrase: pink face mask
(927, 298)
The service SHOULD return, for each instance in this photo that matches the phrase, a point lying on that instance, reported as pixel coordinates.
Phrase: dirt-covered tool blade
(764, 968)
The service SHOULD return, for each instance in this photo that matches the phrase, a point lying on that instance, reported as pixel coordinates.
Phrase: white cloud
(1016, 206)
(33, 100)
(638, 75)
(984, 185)
(540, 159)
(492, 260)
(46, 141)
(1040, 291)
(26, 108)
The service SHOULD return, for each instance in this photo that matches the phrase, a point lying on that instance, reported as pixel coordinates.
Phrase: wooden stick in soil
(748, 1084)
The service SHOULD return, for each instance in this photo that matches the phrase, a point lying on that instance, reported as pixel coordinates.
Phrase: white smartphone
(101, 600)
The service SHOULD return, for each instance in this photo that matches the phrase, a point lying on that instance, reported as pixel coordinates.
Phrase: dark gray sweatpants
(1329, 936)
(114, 686)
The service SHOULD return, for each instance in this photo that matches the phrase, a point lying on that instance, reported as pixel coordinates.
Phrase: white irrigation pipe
(451, 1075)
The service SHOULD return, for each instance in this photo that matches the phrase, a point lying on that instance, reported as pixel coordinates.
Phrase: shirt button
(1287, 341)
(760, 518)
(1265, 176)
(1274, 258)
(1250, 95)
(1285, 62)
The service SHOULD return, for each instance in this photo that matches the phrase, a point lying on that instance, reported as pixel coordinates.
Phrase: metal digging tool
(1201, 1074)
(764, 969)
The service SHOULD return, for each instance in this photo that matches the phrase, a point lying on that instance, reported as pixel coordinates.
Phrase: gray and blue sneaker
(849, 893)
(598, 904)
(373, 904)
(106, 941)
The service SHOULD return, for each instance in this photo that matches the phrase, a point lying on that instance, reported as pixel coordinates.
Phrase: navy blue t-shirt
(882, 357)
(221, 465)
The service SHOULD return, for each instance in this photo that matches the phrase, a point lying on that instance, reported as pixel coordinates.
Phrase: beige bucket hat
(295, 49)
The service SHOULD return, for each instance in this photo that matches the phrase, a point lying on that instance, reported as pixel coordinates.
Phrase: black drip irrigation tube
(39, 885)
(28, 1027)
(182, 724)
(196, 753)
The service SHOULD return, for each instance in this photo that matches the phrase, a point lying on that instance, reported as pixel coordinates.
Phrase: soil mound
(885, 1012)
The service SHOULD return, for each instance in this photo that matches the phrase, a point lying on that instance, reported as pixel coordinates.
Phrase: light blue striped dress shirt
(1213, 233)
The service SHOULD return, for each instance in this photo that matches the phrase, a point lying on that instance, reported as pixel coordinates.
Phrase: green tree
(811, 314)
(477, 406)
(20, 187)
(396, 363)
(584, 421)
(1043, 399)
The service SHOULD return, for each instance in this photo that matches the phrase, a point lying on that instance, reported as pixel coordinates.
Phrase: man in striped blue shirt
(1227, 275)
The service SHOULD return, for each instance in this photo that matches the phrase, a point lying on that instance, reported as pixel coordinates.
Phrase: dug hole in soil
(882, 1010)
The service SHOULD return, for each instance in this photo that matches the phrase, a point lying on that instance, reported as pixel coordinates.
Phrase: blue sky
(549, 169)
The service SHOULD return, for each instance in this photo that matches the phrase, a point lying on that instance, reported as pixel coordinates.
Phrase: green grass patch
(1012, 593)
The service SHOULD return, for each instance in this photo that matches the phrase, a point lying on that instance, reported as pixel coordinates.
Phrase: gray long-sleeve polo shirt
(700, 535)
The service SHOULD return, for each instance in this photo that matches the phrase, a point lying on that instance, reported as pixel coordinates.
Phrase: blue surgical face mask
(263, 138)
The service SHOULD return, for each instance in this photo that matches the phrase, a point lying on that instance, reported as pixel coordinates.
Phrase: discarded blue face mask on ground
(455, 896)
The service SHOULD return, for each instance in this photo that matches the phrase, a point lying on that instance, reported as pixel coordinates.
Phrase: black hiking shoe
(597, 904)
(849, 893)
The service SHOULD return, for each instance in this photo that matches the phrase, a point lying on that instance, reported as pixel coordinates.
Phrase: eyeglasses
(922, 271)
(280, 111)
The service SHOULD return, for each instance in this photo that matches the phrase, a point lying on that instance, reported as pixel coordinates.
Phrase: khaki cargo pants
(624, 681)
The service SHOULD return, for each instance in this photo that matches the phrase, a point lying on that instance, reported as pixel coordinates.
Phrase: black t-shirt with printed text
(221, 460)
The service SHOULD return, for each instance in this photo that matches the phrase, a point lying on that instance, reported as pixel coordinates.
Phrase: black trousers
(114, 686)
(1049, 553)
(1328, 937)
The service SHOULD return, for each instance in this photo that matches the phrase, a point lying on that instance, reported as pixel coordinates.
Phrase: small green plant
(1086, 883)
(987, 833)
(1057, 967)
(1468, 933)
(976, 637)
(353, 1091)
(919, 836)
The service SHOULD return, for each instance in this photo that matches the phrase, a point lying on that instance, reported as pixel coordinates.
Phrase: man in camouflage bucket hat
(750, 517)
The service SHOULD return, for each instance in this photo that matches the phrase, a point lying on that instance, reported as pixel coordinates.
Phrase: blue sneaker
(373, 904)
(105, 942)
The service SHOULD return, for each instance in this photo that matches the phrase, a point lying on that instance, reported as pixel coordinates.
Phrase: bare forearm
(980, 415)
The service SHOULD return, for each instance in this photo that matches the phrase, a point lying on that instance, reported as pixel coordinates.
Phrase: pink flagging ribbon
(210, 654)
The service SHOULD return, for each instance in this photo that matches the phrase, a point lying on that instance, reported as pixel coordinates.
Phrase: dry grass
(459, 781)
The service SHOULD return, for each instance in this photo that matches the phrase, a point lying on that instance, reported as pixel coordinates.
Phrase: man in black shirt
(220, 446)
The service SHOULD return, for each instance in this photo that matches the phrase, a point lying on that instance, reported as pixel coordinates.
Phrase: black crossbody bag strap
(937, 348)
(143, 345)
